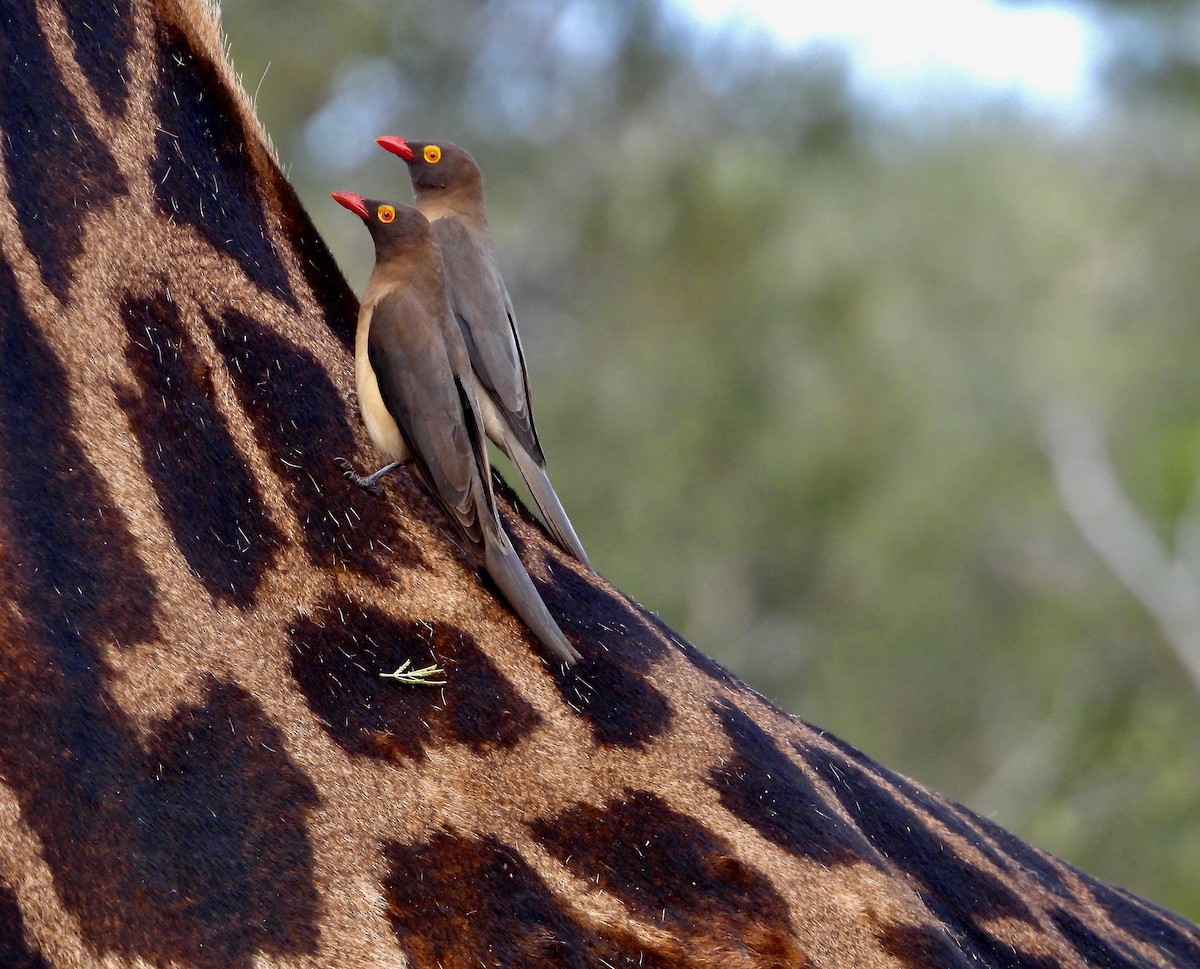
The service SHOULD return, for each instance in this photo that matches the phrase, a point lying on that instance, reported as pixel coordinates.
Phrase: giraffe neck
(200, 764)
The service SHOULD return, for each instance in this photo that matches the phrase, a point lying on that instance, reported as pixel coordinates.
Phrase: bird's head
(392, 226)
(434, 166)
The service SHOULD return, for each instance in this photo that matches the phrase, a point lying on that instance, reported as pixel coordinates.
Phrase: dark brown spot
(203, 485)
(608, 687)
(619, 703)
(58, 169)
(669, 869)
(300, 424)
(203, 174)
(102, 31)
(190, 850)
(759, 785)
(75, 566)
(953, 816)
(225, 847)
(460, 901)
(961, 895)
(456, 900)
(1092, 949)
(325, 280)
(1034, 863)
(1001, 848)
(987, 950)
(1178, 941)
(15, 950)
(920, 947)
(340, 651)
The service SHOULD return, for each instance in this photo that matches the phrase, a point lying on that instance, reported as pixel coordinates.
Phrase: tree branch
(1166, 585)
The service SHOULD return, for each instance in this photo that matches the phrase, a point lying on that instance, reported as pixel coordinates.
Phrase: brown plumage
(418, 401)
(449, 193)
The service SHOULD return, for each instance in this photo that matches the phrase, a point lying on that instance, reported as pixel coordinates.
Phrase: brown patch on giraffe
(459, 901)
(607, 687)
(1008, 853)
(207, 496)
(1092, 949)
(759, 785)
(156, 850)
(456, 900)
(963, 896)
(299, 421)
(1035, 864)
(250, 888)
(1163, 931)
(203, 174)
(332, 295)
(620, 705)
(57, 167)
(76, 560)
(15, 950)
(671, 871)
(203, 874)
(338, 654)
(920, 946)
(102, 31)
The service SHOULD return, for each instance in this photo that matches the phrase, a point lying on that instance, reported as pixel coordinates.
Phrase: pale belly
(385, 435)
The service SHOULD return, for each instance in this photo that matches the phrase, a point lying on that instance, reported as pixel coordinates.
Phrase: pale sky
(1041, 52)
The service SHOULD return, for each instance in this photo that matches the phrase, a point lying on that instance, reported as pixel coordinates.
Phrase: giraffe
(200, 765)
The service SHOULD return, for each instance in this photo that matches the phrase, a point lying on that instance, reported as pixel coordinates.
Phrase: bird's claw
(354, 477)
(421, 677)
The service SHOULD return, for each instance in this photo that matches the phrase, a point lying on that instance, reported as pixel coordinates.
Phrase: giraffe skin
(199, 763)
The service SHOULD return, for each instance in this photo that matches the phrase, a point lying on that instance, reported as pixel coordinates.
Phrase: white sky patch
(1042, 52)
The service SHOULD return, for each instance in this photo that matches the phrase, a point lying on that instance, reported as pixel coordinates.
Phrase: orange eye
(386, 213)
(433, 154)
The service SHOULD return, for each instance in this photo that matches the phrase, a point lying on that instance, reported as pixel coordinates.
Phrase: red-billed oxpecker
(449, 192)
(418, 398)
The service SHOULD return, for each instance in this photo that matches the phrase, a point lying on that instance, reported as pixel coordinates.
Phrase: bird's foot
(421, 677)
(369, 482)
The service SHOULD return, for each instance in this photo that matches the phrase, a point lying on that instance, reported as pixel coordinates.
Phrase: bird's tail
(550, 508)
(509, 574)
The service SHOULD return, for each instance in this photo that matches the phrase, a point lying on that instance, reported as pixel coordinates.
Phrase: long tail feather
(509, 574)
(549, 507)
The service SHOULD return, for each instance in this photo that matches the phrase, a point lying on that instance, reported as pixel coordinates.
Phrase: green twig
(421, 677)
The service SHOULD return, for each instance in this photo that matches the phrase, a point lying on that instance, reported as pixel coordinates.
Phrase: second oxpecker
(448, 187)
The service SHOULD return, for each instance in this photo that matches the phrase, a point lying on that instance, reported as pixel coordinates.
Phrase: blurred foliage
(792, 361)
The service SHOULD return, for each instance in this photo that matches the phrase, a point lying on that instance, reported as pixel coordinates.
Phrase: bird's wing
(434, 409)
(485, 314)
(433, 405)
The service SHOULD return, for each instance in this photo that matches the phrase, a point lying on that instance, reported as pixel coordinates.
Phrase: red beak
(355, 203)
(397, 146)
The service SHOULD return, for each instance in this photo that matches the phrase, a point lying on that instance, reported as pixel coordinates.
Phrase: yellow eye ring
(433, 154)
(386, 213)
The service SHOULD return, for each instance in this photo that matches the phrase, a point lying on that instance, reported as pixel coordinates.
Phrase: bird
(448, 189)
(417, 398)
